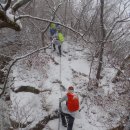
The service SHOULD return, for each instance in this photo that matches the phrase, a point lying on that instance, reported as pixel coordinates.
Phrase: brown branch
(1, 6)
(19, 4)
(10, 24)
(41, 124)
(50, 21)
(7, 5)
(46, 20)
(29, 89)
(6, 22)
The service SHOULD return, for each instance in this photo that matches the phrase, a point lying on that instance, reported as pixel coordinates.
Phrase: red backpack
(73, 102)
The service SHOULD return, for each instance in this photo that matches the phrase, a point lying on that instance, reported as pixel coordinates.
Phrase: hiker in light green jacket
(58, 39)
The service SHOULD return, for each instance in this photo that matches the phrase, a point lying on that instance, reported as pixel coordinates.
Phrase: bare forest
(95, 31)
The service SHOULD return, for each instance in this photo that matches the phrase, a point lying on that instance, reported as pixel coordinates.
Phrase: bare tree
(102, 39)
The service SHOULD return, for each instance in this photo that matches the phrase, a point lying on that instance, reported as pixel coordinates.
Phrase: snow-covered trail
(74, 61)
(71, 62)
(74, 71)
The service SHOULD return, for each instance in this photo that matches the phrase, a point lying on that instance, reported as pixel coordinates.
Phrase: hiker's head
(70, 89)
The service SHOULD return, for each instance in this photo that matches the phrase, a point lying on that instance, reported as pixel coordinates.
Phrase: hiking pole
(59, 114)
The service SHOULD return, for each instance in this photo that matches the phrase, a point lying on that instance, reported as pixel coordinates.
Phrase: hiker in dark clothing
(52, 30)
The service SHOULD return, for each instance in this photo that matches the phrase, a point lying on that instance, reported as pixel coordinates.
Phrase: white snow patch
(109, 74)
(80, 66)
(26, 107)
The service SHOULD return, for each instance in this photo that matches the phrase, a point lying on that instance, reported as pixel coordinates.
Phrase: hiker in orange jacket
(70, 111)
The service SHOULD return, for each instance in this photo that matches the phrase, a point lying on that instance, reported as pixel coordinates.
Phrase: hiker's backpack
(73, 102)
(60, 37)
(52, 31)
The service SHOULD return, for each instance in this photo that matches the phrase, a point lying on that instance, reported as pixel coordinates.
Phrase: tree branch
(50, 21)
(11, 25)
(19, 4)
(52, 18)
(7, 5)
(5, 21)
(114, 25)
(1, 6)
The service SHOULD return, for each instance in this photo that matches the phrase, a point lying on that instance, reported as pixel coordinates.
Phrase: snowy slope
(74, 68)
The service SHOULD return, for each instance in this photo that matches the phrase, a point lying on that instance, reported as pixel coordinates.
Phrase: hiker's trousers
(67, 120)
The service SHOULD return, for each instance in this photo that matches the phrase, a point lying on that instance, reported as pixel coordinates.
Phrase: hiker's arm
(65, 98)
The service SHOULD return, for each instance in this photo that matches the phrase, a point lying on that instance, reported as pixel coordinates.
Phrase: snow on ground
(74, 71)
(106, 81)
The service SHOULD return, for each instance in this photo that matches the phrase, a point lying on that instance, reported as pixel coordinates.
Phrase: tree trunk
(102, 40)
(65, 17)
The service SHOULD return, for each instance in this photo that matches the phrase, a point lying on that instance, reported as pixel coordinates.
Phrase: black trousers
(66, 118)
(59, 48)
